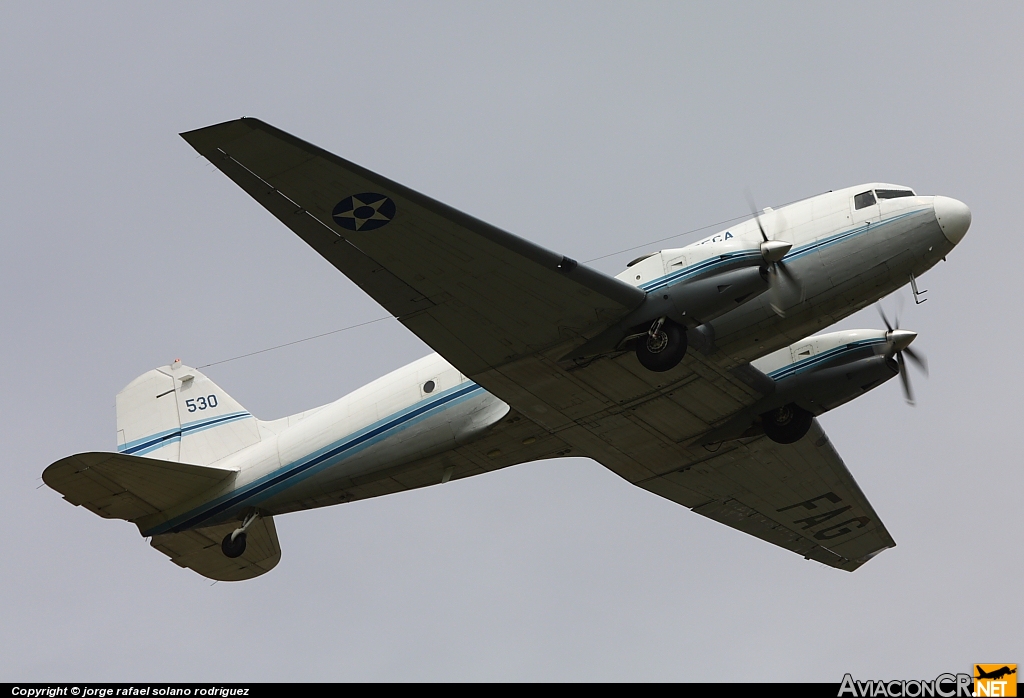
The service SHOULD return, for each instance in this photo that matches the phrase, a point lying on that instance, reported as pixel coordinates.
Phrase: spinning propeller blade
(881, 312)
(780, 276)
(918, 359)
(900, 341)
(905, 378)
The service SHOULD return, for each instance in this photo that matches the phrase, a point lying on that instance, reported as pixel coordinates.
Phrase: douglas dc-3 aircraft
(691, 374)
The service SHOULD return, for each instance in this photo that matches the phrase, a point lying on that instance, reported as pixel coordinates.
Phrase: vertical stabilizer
(177, 413)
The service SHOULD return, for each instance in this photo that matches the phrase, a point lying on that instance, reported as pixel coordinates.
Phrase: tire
(787, 424)
(233, 548)
(665, 350)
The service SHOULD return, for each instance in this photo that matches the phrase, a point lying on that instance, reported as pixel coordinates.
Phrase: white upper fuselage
(806, 224)
(416, 411)
(845, 256)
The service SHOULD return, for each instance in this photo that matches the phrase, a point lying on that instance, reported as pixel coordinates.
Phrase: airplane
(995, 674)
(695, 373)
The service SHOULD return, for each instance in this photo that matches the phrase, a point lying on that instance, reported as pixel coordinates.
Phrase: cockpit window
(893, 193)
(863, 200)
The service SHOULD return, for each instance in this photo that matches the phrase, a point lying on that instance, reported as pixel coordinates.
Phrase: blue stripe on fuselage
(287, 475)
(709, 264)
(730, 257)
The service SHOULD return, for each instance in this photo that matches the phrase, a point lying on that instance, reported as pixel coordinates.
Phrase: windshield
(863, 200)
(893, 193)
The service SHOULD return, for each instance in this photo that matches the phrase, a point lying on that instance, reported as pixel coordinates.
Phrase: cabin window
(864, 200)
(429, 386)
(893, 193)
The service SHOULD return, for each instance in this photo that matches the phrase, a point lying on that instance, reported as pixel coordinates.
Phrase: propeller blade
(884, 318)
(899, 340)
(774, 294)
(773, 251)
(918, 359)
(757, 216)
(791, 278)
(905, 378)
(777, 308)
(784, 270)
(781, 282)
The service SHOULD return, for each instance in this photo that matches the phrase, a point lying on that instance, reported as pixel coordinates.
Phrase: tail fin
(176, 413)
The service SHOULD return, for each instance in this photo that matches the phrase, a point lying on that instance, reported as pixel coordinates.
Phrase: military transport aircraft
(691, 374)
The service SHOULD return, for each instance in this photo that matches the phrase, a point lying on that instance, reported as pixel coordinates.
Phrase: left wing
(476, 294)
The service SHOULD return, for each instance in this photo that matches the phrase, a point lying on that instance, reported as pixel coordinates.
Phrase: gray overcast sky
(588, 128)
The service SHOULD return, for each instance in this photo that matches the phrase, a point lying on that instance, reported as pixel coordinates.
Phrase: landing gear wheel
(787, 424)
(233, 548)
(664, 349)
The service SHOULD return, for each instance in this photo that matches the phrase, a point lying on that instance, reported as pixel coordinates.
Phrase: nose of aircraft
(953, 216)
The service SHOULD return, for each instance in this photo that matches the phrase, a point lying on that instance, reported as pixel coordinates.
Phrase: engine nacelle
(690, 301)
(694, 302)
(825, 388)
(817, 374)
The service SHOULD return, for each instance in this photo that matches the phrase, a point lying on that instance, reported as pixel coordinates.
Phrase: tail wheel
(787, 424)
(233, 547)
(662, 349)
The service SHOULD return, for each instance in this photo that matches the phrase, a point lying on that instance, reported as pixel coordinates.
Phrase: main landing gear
(787, 424)
(663, 346)
(233, 544)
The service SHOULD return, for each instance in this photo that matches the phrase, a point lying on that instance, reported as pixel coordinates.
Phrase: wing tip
(197, 137)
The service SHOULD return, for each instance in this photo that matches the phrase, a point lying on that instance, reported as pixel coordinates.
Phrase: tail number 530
(201, 403)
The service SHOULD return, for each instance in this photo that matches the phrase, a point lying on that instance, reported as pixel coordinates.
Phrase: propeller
(900, 340)
(772, 251)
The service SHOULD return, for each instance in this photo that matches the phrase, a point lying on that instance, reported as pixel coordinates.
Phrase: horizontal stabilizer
(199, 550)
(119, 486)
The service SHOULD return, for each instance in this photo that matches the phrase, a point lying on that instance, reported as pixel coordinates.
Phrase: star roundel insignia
(364, 212)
